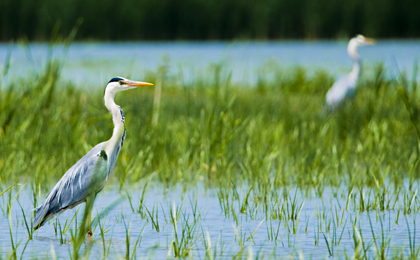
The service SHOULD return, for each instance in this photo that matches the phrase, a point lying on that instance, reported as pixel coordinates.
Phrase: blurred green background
(209, 19)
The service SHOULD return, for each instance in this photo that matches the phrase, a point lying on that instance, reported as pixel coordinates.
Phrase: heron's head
(362, 40)
(118, 84)
(358, 40)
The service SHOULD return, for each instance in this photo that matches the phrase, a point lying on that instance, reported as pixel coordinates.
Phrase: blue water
(214, 226)
(88, 64)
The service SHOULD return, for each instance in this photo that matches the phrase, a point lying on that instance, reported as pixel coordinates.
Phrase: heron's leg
(90, 233)
(88, 211)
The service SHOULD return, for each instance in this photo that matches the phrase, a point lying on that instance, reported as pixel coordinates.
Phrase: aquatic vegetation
(219, 162)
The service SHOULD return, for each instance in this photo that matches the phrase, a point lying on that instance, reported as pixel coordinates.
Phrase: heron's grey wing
(88, 175)
(341, 89)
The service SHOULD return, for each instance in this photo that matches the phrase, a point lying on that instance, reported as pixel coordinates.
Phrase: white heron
(345, 87)
(90, 174)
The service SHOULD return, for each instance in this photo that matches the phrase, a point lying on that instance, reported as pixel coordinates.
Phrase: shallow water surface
(88, 64)
(324, 225)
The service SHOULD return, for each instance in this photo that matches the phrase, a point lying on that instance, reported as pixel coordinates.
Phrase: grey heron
(90, 174)
(345, 86)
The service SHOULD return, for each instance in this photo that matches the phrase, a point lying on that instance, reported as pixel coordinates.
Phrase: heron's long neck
(355, 72)
(114, 144)
(356, 63)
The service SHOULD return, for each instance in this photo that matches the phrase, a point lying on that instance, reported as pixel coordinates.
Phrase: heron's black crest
(116, 79)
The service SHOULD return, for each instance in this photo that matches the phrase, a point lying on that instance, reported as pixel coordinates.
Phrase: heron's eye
(121, 82)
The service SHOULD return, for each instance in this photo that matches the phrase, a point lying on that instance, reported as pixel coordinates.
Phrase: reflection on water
(252, 231)
(89, 64)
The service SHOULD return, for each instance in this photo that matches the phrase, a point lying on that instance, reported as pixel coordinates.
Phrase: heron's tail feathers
(41, 215)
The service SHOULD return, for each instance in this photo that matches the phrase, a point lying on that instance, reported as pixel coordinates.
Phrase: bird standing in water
(90, 174)
(345, 86)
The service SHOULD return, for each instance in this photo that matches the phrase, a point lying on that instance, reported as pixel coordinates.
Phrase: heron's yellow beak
(132, 83)
(369, 40)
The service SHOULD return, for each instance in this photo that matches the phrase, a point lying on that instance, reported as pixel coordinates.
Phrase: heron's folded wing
(82, 178)
(340, 90)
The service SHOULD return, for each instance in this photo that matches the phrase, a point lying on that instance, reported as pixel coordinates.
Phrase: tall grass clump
(215, 130)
